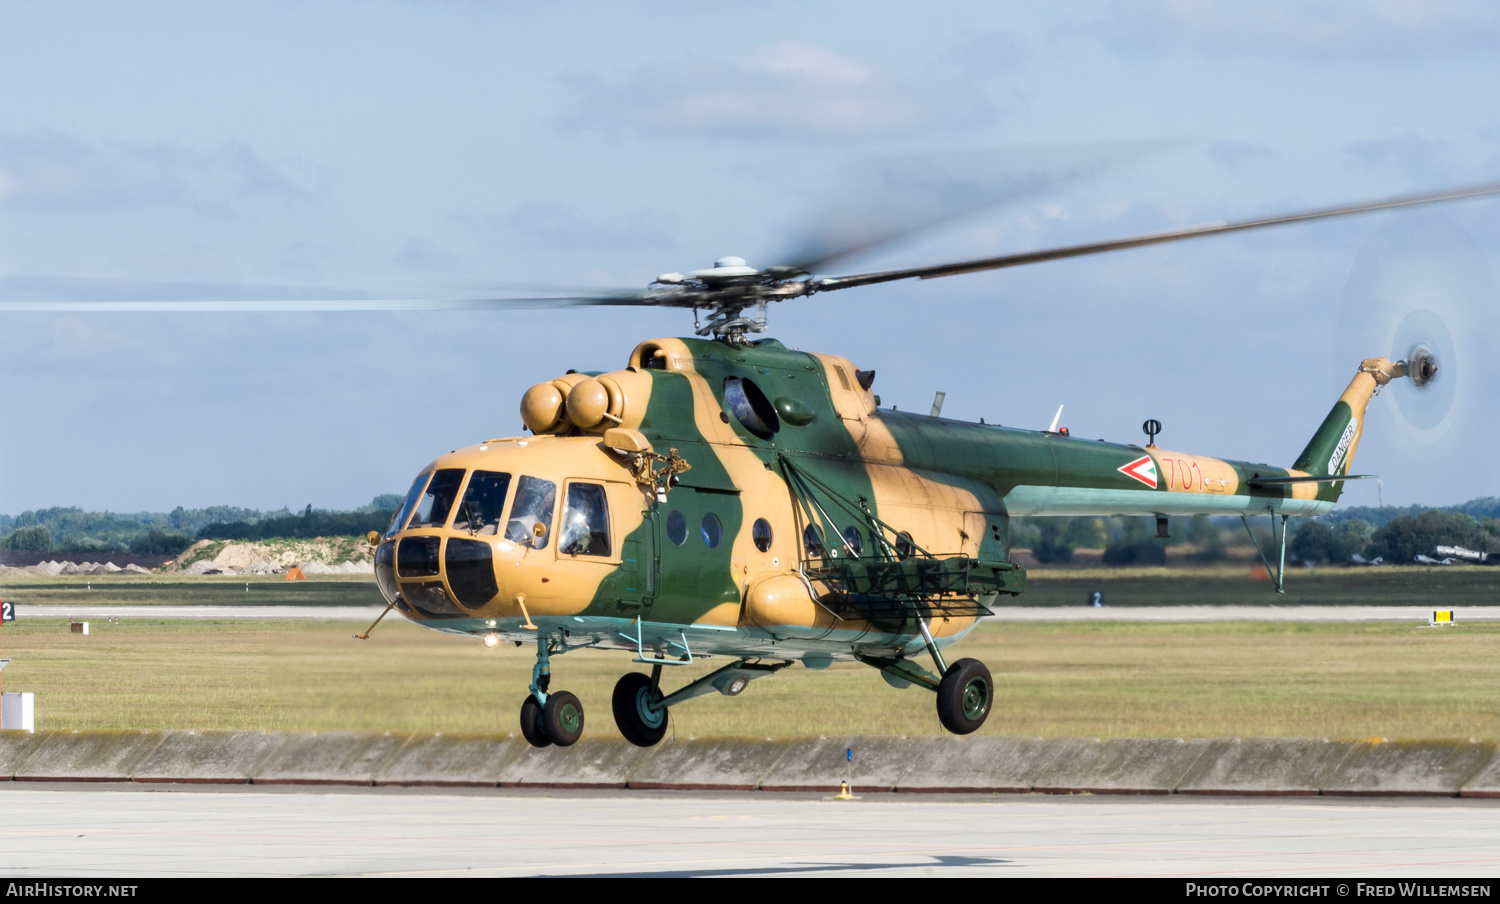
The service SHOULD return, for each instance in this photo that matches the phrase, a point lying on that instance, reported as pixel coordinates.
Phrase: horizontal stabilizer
(1308, 478)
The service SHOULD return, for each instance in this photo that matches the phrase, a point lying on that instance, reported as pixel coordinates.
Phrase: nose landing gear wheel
(531, 723)
(562, 717)
(965, 696)
(641, 724)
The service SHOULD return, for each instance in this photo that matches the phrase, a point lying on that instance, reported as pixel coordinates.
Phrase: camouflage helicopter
(727, 496)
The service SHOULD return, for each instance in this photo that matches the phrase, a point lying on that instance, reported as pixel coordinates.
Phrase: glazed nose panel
(471, 572)
(417, 557)
(385, 571)
(418, 568)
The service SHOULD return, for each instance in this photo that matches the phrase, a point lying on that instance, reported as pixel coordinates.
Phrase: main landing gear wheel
(965, 696)
(641, 724)
(531, 723)
(562, 717)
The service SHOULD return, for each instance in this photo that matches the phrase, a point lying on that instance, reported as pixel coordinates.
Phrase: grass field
(1055, 679)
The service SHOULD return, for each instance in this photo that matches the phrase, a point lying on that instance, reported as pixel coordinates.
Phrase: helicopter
(723, 495)
(727, 496)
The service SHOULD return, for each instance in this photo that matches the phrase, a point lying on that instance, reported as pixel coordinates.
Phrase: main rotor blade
(1155, 238)
(47, 294)
(875, 201)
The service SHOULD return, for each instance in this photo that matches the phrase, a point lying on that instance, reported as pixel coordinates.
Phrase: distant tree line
(72, 530)
(1393, 533)
(1125, 541)
(1396, 535)
(311, 523)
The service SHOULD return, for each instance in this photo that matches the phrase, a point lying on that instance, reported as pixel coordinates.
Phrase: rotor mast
(725, 292)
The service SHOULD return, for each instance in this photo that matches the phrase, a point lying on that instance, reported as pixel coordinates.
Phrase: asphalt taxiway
(116, 830)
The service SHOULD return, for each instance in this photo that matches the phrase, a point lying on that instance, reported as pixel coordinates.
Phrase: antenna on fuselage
(937, 404)
(1056, 418)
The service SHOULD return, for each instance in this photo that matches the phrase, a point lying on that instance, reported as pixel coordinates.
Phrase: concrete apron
(947, 764)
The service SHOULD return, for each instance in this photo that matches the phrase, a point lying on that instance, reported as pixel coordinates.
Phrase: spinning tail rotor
(1421, 292)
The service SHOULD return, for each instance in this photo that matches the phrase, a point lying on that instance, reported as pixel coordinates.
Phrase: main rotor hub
(1421, 365)
(726, 290)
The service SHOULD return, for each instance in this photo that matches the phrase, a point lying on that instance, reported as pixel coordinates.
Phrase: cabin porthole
(760, 532)
(854, 540)
(677, 528)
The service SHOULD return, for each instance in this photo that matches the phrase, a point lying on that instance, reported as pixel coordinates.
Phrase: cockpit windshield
(412, 495)
(531, 515)
(479, 512)
(585, 523)
(433, 507)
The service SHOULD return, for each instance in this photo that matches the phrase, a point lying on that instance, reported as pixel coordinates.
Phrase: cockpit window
(433, 507)
(585, 523)
(531, 515)
(412, 495)
(479, 512)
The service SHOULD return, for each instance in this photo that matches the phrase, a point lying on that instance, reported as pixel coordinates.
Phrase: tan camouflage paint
(941, 514)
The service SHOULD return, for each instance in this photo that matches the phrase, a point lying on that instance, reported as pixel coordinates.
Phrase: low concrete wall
(213, 757)
(988, 765)
(981, 765)
(328, 758)
(451, 760)
(1265, 766)
(721, 765)
(819, 764)
(1119, 766)
(88, 756)
(1486, 782)
(1409, 768)
(16, 747)
(591, 763)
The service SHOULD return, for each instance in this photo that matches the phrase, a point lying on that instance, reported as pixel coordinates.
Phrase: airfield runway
(102, 830)
(1003, 613)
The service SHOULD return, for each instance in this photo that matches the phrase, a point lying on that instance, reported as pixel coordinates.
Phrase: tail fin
(1331, 450)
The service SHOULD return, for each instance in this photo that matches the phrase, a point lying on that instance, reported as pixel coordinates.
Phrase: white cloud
(1239, 156)
(1379, 28)
(787, 89)
(551, 224)
(51, 170)
(1411, 155)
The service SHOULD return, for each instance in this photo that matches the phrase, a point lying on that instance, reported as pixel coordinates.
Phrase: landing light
(491, 639)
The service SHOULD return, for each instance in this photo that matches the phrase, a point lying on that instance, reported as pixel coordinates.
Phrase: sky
(455, 147)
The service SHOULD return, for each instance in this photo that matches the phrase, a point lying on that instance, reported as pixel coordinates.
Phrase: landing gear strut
(555, 718)
(641, 709)
(965, 691)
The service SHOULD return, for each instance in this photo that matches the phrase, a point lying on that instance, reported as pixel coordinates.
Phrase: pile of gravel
(204, 566)
(56, 569)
